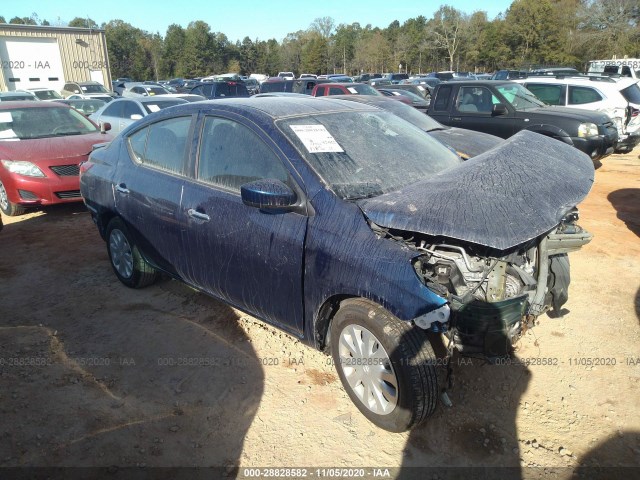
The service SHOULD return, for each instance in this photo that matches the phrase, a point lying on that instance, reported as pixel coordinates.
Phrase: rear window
(582, 95)
(632, 93)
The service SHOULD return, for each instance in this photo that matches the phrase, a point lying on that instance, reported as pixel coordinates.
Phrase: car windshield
(47, 94)
(17, 98)
(93, 89)
(158, 105)
(366, 154)
(155, 90)
(30, 123)
(519, 97)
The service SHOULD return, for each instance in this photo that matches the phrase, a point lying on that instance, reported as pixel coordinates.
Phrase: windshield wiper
(64, 134)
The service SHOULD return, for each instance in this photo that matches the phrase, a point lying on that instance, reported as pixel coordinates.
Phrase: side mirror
(136, 116)
(268, 194)
(105, 127)
(499, 109)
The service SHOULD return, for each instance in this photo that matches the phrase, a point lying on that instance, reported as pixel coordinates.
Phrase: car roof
(596, 82)
(152, 99)
(29, 104)
(342, 84)
(276, 107)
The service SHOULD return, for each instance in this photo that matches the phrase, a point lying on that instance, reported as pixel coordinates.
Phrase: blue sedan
(349, 228)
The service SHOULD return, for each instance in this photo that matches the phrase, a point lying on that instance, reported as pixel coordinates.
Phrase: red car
(41, 147)
(325, 89)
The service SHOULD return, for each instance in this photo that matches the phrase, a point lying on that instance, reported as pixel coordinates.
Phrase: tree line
(530, 33)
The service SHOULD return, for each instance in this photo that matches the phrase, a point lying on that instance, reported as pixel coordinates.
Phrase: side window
(197, 90)
(232, 155)
(162, 144)
(549, 94)
(113, 110)
(335, 91)
(582, 95)
(322, 91)
(137, 142)
(442, 100)
(130, 108)
(474, 99)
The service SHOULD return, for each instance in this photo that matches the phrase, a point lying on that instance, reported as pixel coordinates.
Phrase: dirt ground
(95, 374)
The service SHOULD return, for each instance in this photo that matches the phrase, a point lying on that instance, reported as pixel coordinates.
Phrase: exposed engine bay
(493, 296)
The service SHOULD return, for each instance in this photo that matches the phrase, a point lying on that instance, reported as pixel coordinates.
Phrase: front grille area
(68, 194)
(66, 170)
(27, 195)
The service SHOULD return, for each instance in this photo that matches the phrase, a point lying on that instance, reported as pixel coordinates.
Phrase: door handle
(122, 188)
(456, 118)
(199, 215)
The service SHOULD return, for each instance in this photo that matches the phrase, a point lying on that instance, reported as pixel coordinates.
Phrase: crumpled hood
(467, 142)
(500, 199)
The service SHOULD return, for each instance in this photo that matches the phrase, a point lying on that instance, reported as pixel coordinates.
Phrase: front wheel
(127, 262)
(386, 365)
(8, 208)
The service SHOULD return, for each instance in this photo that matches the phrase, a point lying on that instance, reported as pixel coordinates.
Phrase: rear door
(250, 258)
(148, 188)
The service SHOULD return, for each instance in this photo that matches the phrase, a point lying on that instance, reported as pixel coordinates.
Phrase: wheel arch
(551, 131)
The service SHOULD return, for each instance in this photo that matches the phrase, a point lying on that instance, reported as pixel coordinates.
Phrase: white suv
(618, 98)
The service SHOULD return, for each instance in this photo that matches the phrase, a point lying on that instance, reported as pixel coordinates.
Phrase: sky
(261, 19)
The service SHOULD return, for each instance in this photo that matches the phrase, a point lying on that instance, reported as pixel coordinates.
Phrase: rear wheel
(127, 262)
(8, 208)
(386, 365)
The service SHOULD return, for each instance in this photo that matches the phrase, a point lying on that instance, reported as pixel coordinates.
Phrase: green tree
(446, 30)
(173, 45)
(314, 54)
(127, 56)
(83, 23)
(610, 27)
(197, 54)
(23, 21)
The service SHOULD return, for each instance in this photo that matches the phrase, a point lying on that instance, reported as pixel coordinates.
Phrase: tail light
(85, 167)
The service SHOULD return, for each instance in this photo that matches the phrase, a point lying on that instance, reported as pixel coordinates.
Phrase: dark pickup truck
(503, 108)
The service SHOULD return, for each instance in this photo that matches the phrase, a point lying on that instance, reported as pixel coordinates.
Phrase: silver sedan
(122, 112)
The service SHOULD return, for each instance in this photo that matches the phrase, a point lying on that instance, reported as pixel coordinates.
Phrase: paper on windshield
(352, 90)
(6, 117)
(153, 108)
(316, 139)
(8, 134)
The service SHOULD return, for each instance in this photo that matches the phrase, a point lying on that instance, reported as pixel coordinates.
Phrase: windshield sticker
(154, 108)
(352, 90)
(420, 87)
(84, 89)
(316, 139)
(6, 117)
(8, 134)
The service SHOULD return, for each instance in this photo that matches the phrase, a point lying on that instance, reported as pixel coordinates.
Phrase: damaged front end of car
(493, 297)
(492, 238)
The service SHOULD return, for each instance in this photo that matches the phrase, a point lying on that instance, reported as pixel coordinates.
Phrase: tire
(126, 260)
(8, 208)
(399, 365)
